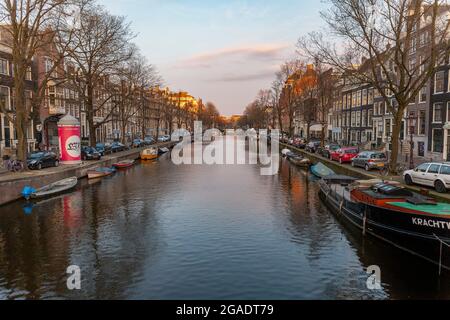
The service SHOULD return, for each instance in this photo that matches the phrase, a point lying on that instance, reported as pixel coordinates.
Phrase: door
(418, 176)
(361, 159)
(432, 174)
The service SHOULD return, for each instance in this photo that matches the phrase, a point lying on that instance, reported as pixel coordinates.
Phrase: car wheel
(367, 167)
(440, 187)
(56, 163)
(408, 180)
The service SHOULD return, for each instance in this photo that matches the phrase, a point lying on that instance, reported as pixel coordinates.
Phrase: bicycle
(15, 166)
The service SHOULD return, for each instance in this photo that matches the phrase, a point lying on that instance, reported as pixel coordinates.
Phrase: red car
(344, 155)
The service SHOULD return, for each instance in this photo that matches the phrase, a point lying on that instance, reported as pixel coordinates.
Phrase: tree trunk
(395, 142)
(90, 115)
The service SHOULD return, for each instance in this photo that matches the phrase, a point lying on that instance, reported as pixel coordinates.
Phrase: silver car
(370, 160)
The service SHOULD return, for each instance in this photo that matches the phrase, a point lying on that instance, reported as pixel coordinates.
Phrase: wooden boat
(100, 173)
(51, 189)
(163, 150)
(320, 170)
(124, 164)
(300, 161)
(150, 154)
(408, 220)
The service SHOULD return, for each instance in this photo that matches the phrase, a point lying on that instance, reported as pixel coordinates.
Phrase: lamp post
(412, 120)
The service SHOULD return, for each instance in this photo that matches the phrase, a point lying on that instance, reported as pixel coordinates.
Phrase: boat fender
(341, 206)
(27, 192)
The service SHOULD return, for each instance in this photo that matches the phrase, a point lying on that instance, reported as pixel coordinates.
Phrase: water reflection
(161, 231)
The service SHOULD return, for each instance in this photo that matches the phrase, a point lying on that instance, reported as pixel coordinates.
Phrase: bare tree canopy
(373, 42)
(98, 48)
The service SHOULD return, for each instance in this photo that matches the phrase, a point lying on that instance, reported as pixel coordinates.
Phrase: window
(29, 75)
(353, 119)
(423, 167)
(422, 123)
(358, 119)
(412, 65)
(448, 111)
(434, 168)
(423, 95)
(438, 140)
(439, 82)
(4, 67)
(370, 118)
(437, 113)
(388, 127)
(5, 97)
(364, 118)
(445, 170)
(364, 97)
(370, 96)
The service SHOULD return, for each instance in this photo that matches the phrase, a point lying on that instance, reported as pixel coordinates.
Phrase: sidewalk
(11, 184)
(347, 169)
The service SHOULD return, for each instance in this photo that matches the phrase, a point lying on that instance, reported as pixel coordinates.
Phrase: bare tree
(99, 45)
(386, 32)
(31, 25)
(136, 77)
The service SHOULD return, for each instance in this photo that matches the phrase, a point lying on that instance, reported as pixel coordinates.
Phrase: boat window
(434, 168)
(445, 170)
(351, 151)
(423, 167)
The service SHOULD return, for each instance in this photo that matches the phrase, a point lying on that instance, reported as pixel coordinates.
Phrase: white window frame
(7, 67)
(434, 112)
(9, 96)
(435, 81)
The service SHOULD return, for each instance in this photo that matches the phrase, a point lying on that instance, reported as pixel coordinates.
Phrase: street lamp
(412, 121)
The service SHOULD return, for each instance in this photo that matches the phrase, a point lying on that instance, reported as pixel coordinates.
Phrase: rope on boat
(441, 247)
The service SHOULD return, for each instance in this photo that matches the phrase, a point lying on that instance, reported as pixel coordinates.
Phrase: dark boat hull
(399, 229)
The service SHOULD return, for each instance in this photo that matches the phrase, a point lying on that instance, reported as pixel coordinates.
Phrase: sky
(223, 51)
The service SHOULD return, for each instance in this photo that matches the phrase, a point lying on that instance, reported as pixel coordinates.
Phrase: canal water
(161, 231)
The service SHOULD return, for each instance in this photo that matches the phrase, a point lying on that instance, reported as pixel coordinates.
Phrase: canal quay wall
(12, 184)
(362, 174)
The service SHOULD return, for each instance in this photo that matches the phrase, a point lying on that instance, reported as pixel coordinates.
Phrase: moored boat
(124, 164)
(410, 221)
(320, 170)
(150, 154)
(163, 150)
(100, 173)
(51, 189)
(300, 161)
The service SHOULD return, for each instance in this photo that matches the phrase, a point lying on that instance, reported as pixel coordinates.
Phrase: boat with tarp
(320, 170)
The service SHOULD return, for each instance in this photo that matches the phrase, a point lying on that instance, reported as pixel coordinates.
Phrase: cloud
(261, 52)
(246, 77)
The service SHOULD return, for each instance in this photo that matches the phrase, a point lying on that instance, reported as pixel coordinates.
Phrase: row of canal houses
(359, 114)
(61, 99)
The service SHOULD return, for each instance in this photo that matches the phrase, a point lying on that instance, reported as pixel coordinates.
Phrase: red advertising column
(69, 140)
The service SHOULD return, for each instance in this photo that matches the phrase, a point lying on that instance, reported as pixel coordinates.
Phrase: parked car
(328, 149)
(149, 140)
(42, 159)
(300, 143)
(138, 143)
(436, 175)
(90, 153)
(165, 138)
(103, 148)
(344, 155)
(370, 160)
(118, 147)
(312, 146)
